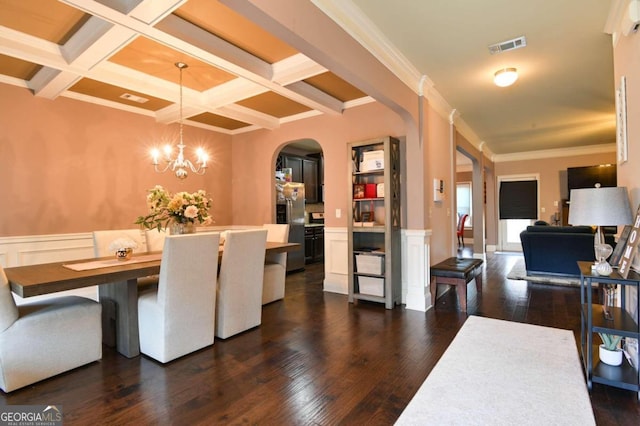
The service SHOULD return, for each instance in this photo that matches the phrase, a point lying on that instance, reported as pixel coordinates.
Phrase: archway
(302, 162)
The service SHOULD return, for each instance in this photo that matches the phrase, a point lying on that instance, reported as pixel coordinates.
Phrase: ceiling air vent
(503, 46)
(134, 98)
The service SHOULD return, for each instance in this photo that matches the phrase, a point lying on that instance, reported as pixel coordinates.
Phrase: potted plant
(609, 351)
(182, 210)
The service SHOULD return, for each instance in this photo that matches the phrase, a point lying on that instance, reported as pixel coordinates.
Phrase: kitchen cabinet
(310, 179)
(313, 244)
(305, 170)
(374, 221)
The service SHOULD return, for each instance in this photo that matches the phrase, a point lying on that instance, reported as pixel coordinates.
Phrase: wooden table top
(45, 278)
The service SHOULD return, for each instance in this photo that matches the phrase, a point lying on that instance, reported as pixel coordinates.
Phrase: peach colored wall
(553, 175)
(254, 158)
(69, 166)
(627, 63)
(439, 162)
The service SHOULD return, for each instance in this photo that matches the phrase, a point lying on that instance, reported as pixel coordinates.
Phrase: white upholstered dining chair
(102, 240)
(179, 318)
(239, 300)
(275, 264)
(155, 238)
(41, 339)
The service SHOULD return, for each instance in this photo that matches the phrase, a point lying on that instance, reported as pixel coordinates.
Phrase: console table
(593, 321)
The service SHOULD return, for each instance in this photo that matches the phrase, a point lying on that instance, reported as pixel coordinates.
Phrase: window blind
(519, 199)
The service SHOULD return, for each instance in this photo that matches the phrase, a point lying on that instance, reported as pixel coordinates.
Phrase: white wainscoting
(415, 265)
(336, 258)
(35, 249)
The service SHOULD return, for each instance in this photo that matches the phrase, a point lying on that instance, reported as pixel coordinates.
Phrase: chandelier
(179, 165)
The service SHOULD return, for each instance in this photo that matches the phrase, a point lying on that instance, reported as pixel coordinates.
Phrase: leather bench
(458, 272)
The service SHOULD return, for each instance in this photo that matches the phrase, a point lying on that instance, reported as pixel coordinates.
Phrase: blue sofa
(554, 250)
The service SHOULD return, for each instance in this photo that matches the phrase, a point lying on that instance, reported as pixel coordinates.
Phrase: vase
(178, 228)
(124, 253)
(610, 357)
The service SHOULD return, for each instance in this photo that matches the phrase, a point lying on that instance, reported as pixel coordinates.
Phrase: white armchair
(42, 339)
(179, 318)
(239, 300)
(275, 265)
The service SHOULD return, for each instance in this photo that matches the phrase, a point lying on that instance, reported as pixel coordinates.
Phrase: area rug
(519, 272)
(498, 372)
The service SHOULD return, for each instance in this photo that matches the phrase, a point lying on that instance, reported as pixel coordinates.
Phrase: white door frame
(503, 244)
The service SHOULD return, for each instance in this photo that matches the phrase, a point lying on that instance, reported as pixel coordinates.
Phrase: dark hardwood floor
(315, 360)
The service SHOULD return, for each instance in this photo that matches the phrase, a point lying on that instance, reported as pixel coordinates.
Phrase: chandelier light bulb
(180, 165)
(505, 77)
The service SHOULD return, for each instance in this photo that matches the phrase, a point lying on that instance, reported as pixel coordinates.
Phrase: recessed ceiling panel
(218, 121)
(18, 68)
(333, 85)
(214, 17)
(153, 58)
(47, 19)
(273, 104)
(101, 90)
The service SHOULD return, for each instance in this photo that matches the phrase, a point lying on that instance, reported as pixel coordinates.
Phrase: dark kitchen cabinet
(310, 179)
(314, 244)
(305, 170)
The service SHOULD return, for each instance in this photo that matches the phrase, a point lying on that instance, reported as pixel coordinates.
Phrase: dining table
(117, 283)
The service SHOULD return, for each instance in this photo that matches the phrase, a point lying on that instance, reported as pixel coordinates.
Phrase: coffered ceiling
(122, 54)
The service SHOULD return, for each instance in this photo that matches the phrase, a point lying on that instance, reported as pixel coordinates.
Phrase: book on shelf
(364, 224)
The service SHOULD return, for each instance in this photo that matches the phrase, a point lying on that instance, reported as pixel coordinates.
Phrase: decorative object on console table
(620, 245)
(630, 247)
(609, 351)
(183, 209)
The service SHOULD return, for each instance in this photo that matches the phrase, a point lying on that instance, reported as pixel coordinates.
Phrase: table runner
(107, 263)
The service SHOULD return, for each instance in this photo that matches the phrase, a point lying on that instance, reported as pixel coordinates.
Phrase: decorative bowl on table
(124, 253)
(123, 248)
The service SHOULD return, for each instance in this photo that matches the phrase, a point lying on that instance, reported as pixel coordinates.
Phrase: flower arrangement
(122, 243)
(181, 207)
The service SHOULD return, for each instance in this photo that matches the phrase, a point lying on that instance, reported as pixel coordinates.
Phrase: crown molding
(554, 153)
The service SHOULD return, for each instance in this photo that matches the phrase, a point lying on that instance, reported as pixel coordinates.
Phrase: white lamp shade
(600, 207)
(505, 77)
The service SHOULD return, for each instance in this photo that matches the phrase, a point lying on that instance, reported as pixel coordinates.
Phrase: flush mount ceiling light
(505, 77)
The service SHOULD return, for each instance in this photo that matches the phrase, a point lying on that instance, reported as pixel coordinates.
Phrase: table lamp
(599, 207)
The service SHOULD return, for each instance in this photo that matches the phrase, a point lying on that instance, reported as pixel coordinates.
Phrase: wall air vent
(503, 46)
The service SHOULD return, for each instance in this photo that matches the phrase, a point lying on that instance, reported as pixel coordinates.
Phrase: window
(463, 201)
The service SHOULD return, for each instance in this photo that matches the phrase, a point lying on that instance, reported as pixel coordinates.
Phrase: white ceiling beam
(191, 40)
(152, 11)
(295, 68)
(310, 92)
(247, 115)
(232, 92)
(49, 83)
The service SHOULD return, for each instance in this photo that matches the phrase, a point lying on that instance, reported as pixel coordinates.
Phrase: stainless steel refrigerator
(290, 209)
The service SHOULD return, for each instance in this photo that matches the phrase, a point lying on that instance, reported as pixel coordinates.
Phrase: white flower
(122, 243)
(191, 212)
